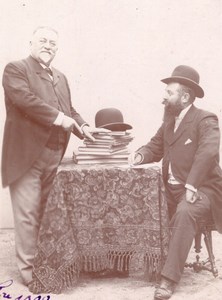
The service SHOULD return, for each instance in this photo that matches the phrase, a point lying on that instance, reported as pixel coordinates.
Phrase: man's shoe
(165, 290)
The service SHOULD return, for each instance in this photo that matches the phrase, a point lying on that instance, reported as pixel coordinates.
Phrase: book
(94, 156)
(108, 148)
(105, 143)
(102, 161)
(111, 133)
(104, 151)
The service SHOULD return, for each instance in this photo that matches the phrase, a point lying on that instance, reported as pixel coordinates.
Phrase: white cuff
(84, 124)
(190, 187)
(59, 119)
(138, 158)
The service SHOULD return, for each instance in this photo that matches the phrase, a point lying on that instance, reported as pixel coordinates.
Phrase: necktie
(49, 71)
(177, 123)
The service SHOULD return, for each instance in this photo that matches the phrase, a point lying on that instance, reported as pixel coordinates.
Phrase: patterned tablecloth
(96, 215)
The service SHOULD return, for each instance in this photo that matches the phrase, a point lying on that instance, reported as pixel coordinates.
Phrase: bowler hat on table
(187, 76)
(112, 119)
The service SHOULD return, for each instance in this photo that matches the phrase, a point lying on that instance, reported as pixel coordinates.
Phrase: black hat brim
(197, 89)
(116, 126)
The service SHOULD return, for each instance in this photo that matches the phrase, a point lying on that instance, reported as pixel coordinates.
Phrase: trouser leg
(184, 226)
(28, 196)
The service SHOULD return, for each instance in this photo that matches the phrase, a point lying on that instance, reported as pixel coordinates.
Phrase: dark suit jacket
(193, 151)
(32, 104)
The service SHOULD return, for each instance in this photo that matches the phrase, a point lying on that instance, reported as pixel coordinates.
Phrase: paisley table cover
(97, 215)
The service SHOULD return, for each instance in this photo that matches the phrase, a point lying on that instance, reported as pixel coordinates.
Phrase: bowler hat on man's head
(187, 76)
(112, 119)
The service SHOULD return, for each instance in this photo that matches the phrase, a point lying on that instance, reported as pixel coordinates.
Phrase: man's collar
(44, 66)
(183, 112)
(41, 64)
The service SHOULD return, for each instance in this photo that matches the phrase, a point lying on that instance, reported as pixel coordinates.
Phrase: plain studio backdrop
(114, 54)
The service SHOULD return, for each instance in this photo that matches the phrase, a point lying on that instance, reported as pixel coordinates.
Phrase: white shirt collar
(44, 66)
(183, 112)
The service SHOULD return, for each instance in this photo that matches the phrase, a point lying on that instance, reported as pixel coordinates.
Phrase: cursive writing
(7, 295)
(6, 284)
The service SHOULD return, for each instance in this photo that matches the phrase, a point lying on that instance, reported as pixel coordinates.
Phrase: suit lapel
(184, 124)
(45, 76)
(55, 76)
(41, 72)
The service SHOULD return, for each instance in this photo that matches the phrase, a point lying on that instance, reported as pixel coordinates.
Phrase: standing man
(39, 121)
(188, 143)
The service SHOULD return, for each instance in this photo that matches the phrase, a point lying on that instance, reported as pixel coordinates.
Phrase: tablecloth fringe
(61, 280)
(120, 260)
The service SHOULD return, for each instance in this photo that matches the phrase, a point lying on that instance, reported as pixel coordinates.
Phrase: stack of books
(108, 148)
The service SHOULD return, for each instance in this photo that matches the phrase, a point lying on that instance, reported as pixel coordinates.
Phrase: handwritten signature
(6, 295)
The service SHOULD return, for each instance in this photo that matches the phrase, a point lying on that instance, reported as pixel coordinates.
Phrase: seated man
(188, 141)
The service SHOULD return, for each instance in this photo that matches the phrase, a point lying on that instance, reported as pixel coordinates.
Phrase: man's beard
(45, 58)
(171, 111)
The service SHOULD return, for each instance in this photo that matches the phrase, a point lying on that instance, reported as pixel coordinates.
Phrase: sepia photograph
(110, 138)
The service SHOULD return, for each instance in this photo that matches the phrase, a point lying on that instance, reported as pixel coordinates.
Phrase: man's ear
(185, 98)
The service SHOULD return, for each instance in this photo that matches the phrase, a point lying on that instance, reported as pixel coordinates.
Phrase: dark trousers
(184, 220)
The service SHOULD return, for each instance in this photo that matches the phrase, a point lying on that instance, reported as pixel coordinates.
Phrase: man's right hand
(68, 123)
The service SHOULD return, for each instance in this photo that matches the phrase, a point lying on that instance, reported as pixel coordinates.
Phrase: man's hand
(191, 196)
(87, 131)
(134, 158)
(67, 123)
